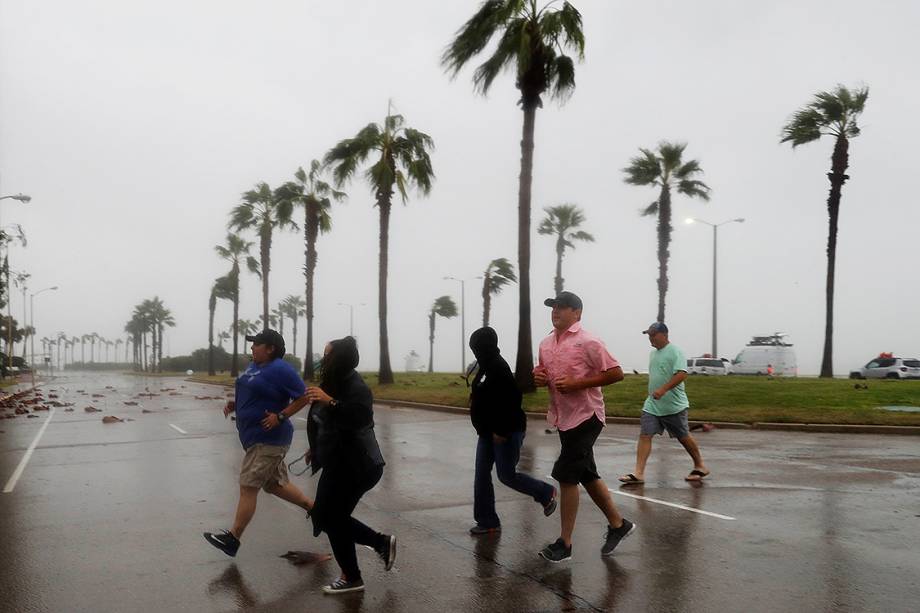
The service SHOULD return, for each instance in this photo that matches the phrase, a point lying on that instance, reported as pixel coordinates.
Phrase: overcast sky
(135, 126)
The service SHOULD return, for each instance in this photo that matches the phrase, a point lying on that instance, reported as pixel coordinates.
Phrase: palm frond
(643, 169)
(581, 235)
(671, 155)
(505, 56)
(650, 210)
(474, 35)
(694, 189)
(445, 307)
(253, 265)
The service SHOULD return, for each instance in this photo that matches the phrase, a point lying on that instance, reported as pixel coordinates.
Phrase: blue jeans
(505, 458)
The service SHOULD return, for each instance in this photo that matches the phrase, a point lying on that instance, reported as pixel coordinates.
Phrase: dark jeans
(337, 495)
(505, 457)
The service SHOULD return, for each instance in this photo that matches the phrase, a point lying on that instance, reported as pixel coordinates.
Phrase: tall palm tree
(834, 114)
(400, 159)
(294, 309)
(62, 344)
(73, 346)
(118, 343)
(222, 336)
(533, 42)
(223, 289)
(665, 170)
(262, 210)
(247, 327)
(498, 274)
(83, 340)
(315, 195)
(234, 251)
(277, 315)
(160, 318)
(560, 221)
(445, 307)
(92, 345)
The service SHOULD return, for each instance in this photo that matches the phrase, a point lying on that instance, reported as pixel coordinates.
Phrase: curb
(724, 425)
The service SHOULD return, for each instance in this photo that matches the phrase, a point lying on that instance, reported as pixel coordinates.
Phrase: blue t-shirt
(269, 387)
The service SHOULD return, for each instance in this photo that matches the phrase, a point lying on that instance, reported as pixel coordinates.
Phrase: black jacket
(495, 400)
(342, 435)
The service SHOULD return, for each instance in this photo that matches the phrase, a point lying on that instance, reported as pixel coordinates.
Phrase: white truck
(764, 354)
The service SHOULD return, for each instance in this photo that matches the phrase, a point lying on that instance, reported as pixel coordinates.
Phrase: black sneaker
(343, 586)
(478, 530)
(550, 507)
(388, 552)
(224, 541)
(556, 552)
(615, 535)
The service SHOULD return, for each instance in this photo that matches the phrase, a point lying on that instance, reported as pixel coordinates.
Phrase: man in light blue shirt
(665, 406)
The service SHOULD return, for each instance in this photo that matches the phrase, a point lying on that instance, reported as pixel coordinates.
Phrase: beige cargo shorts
(263, 466)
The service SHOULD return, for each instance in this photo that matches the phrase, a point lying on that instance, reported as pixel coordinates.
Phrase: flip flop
(696, 475)
(631, 479)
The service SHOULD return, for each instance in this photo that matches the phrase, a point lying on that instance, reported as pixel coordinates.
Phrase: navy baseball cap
(658, 326)
(564, 299)
(269, 337)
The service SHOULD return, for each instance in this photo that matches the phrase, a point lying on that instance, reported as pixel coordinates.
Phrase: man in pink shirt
(575, 365)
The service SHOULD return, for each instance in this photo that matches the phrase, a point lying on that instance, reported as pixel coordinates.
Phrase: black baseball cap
(658, 326)
(269, 337)
(564, 299)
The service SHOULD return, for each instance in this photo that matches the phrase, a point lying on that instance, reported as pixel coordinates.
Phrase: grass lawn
(735, 398)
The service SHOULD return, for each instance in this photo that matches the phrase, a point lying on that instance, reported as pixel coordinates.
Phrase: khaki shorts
(263, 466)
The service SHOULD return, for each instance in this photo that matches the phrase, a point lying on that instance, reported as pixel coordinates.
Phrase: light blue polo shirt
(663, 364)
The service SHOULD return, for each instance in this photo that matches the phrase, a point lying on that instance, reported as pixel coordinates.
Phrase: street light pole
(462, 321)
(25, 199)
(351, 316)
(715, 278)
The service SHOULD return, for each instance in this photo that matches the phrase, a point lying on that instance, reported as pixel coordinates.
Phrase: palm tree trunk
(431, 342)
(265, 247)
(311, 229)
(523, 368)
(160, 347)
(560, 251)
(486, 299)
(837, 176)
(385, 375)
(664, 240)
(234, 370)
(143, 355)
(212, 306)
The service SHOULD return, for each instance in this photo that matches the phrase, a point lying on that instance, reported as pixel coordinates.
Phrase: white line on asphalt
(668, 504)
(177, 429)
(25, 459)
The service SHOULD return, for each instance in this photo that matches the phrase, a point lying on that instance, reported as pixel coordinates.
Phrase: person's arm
(569, 384)
(273, 420)
(673, 382)
(352, 411)
(508, 404)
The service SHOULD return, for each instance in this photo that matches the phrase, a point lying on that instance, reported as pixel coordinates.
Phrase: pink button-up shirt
(578, 354)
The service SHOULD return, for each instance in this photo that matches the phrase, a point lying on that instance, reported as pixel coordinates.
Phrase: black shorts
(576, 459)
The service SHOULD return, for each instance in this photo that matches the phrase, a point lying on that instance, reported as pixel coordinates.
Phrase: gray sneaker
(343, 586)
(556, 552)
(615, 535)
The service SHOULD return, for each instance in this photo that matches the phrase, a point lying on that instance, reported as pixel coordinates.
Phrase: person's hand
(316, 394)
(566, 384)
(230, 407)
(270, 421)
(658, 393)
(499, 439)
(540, 378)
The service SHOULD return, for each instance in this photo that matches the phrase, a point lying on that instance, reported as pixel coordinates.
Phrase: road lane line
(177, 429)
(8, 488)
(668, 504)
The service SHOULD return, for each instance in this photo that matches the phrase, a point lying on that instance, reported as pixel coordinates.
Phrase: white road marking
(25, 459)
(668, 504)
(177, 429)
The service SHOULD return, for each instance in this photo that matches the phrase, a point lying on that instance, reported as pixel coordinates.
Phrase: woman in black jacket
(499, 420)
(340, 430)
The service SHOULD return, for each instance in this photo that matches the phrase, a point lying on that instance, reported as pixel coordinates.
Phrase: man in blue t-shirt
(665, 406)
(268, 394)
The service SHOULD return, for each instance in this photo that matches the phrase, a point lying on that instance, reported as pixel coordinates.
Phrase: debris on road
(92, 410)
(111, 419)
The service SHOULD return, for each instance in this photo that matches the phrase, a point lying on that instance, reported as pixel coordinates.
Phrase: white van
(764, 352)
(708, 366)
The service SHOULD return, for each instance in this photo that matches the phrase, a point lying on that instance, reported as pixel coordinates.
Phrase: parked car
(888, 367)
(764, 353)
(708, 366)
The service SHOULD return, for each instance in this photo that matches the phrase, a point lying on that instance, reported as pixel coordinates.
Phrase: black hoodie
(495, 400)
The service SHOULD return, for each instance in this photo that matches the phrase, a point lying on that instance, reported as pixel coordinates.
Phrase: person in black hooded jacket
(500, 422)
(340, 431)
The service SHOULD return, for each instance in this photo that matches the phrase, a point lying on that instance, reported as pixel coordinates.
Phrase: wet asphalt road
(108, 517)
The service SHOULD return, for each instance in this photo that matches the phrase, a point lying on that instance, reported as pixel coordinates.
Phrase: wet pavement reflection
(108, 515)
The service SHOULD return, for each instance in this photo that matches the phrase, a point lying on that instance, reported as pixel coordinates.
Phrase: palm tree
(222, 336)
(665, 170)
(498, 274)
(832, 113)
(62, 344)
(315, 195)
(223, 289)
(445, 307)
(559, 222)
(247, 327)
(73, 346)
(262, 210)
(83, 340)
(277, 316)
(401, 159)
(294, 309)
(235, 250)
(160, 317)
(118, 343)
(92, 345)
(533, 42)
